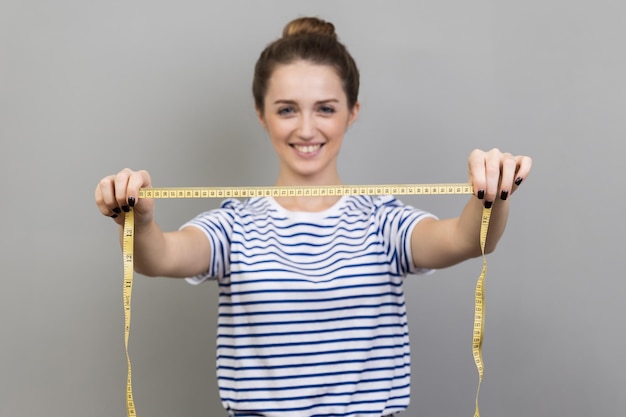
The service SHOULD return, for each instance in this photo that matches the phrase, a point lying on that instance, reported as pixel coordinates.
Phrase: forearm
(150, 249)
(469, 224)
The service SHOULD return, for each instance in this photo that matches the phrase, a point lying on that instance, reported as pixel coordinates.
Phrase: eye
(326, 109)
(286, 111)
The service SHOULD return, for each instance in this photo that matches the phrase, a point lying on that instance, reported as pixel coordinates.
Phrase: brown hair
(309, 39)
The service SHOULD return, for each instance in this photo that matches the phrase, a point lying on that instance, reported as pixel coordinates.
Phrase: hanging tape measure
(303, 191)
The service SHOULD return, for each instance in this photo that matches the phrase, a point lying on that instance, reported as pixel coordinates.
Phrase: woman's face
(306, 115)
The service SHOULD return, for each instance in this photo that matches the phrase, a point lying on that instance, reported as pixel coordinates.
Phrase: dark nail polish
(131, 201)
(125, 209)
(504, 195)
(488, 204)
(113, 216)
(481, 194)
(117, 210)
(518, 180)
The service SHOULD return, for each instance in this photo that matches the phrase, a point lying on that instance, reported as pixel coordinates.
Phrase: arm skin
(177, 254)
(435, 243)
(495, 176)
(174, 254)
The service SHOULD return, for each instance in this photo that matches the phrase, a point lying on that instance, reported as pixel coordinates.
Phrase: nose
(306, 127)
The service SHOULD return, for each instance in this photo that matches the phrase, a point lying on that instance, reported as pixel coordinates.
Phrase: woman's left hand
(495, 174)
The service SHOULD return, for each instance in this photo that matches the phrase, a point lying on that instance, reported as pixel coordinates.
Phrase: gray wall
(88, 88)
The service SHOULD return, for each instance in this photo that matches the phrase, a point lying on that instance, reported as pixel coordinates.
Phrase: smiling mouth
(307, 148)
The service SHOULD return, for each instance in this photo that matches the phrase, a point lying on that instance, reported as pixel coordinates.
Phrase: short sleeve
(217, 225)
(396, 222)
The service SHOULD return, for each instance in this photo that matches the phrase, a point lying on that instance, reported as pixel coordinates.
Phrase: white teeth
(307, 148)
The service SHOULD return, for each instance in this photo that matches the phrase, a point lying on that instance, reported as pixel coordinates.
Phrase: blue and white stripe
(312, 317)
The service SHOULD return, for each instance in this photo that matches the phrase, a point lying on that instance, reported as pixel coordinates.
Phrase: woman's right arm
(176, 254)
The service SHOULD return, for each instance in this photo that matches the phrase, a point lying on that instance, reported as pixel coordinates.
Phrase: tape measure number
(304, 191)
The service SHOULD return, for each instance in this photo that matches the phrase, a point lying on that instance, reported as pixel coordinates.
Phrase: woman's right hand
(116, 194)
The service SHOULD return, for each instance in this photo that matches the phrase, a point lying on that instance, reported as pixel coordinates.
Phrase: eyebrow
(329, 100)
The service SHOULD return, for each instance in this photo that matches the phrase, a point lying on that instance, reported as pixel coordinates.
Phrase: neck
(305, 181)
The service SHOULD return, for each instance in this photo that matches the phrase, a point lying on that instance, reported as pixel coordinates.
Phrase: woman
(312, 318)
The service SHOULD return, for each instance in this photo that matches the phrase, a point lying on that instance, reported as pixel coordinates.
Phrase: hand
(116, 194)
(496, 174)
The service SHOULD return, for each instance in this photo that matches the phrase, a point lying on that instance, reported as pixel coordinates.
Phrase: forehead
(305, 79)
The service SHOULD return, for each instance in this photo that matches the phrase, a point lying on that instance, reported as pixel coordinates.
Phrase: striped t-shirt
(312, 318)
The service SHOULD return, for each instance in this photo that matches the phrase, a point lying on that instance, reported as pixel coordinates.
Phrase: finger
(121, 187)
(492, 175)
(139, 179)
(477, 177)
(523, 167)
(105, 197)
(508, 169)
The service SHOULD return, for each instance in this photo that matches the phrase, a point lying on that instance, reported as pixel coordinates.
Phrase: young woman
(312, 318)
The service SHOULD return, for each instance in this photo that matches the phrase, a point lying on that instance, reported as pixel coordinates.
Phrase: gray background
(88, 88)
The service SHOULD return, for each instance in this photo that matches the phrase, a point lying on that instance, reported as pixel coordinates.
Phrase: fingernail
(488, 204)
(131, 201)
(504, 195)
(113, 216)
(481, 194)
(126, 209)
(117, 210)
(518, 180)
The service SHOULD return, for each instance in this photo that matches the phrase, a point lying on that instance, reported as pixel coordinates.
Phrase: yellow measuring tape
(297, 191)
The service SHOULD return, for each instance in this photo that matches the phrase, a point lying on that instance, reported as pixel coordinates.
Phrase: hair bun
(309, 26)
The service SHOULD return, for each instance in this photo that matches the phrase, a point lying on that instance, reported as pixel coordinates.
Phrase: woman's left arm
(495, 176)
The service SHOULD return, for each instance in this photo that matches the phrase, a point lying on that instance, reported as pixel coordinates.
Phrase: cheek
(337, 128)
(277, 130)
(277, 126)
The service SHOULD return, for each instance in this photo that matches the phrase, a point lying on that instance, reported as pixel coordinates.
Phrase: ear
(354, 113)
(260, 117)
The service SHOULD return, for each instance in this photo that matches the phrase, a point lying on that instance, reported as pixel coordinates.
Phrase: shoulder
(384, 209)
(371, 204)
(234, 208)
(232, 212)
(251, 204)
(251, 209)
